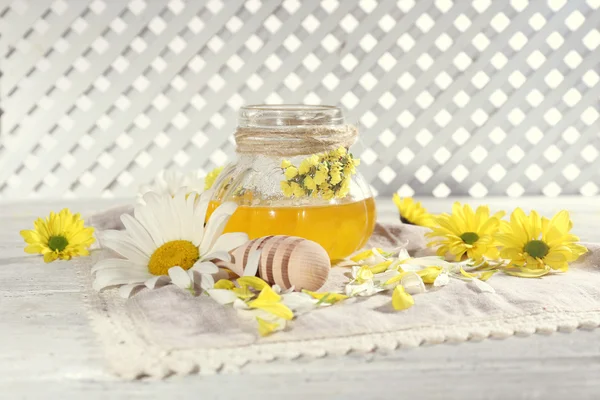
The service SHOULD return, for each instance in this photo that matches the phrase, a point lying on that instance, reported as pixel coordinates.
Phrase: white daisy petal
(205, 267)
(126, 291)
(222, 296)
(127, 250)
(216, 224)
(157, 281)
(214, 228)
(139, 235)
(251, 268)
(219, 255)
(180, 277)
(111, 277)
(112, 263)
(149, 222)
(229, 241)
(207, 282)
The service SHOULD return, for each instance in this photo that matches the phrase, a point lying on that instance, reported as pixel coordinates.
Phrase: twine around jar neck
(294, 141)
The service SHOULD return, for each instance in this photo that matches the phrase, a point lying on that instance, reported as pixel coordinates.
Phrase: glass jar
(269, 138)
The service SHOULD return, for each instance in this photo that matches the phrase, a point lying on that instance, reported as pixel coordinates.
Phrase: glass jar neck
(289, 116)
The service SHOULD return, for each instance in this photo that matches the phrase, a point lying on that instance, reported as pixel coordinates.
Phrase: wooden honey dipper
(284, 260)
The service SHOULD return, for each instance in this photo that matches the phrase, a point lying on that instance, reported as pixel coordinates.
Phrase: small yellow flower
(211, 177)
(291, 172)
(59, 236)
(321, 174)
(309, 183)
(327, 194)
(535, 243)
(297, 189)
(344, 188)
(341, 152)
(286, 188)
(466, 233)
(412, 213)
(285, 164)
(401, 300)
(308, 163)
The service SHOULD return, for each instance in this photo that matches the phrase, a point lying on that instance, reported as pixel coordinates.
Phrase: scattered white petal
(413, 283)
(222, 296)
(482, 286)
(442, 280)
(252, 263)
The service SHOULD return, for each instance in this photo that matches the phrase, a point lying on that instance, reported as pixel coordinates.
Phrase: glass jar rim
(289, 115)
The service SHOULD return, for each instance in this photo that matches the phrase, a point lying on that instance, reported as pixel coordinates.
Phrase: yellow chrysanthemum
(412, 213)
(535, 242)
(211, 177)
(60, 235)
(466, 232)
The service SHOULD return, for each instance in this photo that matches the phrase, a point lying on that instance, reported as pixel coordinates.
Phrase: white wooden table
(47, 349)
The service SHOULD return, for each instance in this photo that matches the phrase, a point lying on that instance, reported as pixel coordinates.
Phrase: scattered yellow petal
(252, 281)
(224, 284)
(327, 297)
(381, 267)
(265, 328)
(401, 300)
(524, 272)
(484, 276)
(429, 274)
(363, 255)
(466, 274)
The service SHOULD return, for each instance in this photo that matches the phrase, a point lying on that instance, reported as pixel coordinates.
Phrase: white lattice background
(452, 97)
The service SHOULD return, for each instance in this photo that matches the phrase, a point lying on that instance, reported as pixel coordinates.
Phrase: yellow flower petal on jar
(285, 164)
(286, 188)
(297, 190)
(401, 300)
(291, 172)
(309, 183)
(211, 177)
(321, 176)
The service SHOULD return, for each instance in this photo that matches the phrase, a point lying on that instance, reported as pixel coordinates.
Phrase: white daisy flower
(166, 241)
(166, 182)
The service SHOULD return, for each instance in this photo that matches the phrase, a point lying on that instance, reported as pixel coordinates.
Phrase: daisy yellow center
(176, 253)
(469, 237)
(536, 248)
(57, 243)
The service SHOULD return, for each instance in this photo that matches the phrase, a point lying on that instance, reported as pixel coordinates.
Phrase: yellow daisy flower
(466, 233)
(59, 236)
(412, 213)
(535, 242)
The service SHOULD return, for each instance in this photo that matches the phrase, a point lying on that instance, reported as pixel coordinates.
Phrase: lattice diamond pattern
(452, 97)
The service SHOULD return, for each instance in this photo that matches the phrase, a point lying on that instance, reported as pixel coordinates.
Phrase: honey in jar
(271, 136)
